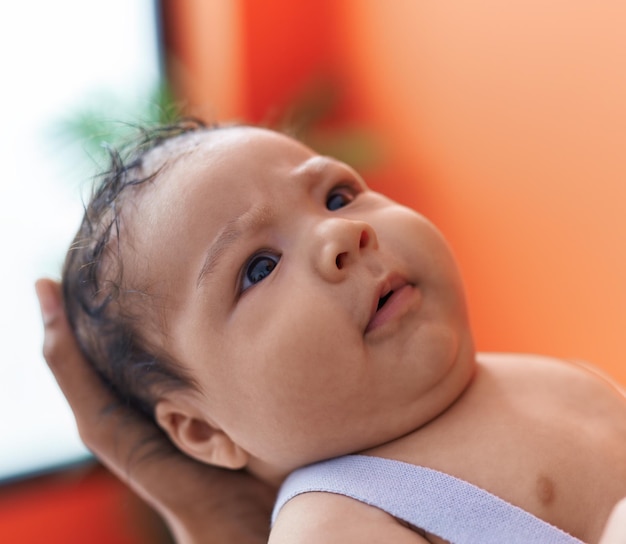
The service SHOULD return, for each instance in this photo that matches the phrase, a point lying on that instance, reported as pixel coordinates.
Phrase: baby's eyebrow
(229, 234)
(249, 221)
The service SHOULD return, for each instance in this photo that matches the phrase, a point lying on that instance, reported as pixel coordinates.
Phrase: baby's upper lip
(390, 283)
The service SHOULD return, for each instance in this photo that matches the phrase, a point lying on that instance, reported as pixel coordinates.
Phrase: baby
(271, 312)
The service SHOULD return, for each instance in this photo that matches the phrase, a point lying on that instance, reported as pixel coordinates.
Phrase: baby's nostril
(365, 238)
(339, 260)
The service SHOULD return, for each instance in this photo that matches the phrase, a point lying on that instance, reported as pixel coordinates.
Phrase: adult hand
(615, 530)
(200, 503)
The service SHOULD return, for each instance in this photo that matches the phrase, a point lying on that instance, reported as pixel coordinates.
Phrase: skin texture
(269, 264)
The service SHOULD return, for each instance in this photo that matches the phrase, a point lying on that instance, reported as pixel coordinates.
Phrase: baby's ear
(196, 437)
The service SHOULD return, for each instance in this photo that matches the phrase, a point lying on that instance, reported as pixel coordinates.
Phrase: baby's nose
(341, 243)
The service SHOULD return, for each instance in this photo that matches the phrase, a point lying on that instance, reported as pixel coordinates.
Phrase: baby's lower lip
(398, 304)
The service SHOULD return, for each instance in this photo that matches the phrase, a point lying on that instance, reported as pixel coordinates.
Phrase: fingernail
(49, 301)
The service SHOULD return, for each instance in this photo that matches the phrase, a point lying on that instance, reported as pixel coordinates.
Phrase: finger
(61, 352)
(615, 530)
(113, 432)
(83, 389)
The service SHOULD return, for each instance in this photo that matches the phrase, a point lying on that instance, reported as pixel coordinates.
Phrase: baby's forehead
(186, 168)
(205, 139)
(175, 149)
(233, 153)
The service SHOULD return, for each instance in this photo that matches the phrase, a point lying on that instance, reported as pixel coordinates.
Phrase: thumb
(615, 530)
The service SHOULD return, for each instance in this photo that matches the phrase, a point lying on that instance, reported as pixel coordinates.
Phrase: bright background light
(56, 58)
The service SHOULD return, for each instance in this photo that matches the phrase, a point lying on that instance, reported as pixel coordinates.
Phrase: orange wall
(504, 122)
(510, 117)
(204, 57)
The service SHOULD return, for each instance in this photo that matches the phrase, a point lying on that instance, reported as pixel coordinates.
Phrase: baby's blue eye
(258, 268)
(339, 198)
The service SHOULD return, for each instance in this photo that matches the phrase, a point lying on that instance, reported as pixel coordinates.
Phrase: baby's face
(317, 316)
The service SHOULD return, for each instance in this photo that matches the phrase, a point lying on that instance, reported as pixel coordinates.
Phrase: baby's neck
(274, 475)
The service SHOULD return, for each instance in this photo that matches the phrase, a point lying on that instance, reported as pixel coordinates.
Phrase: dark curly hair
(104, 311)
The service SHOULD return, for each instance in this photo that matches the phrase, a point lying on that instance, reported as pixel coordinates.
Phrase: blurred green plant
(104, 120)
(309, 118)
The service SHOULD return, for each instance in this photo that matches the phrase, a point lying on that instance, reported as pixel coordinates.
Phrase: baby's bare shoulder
(556, 386)
(569, 400)
(525, 359)
(331, 518)
(524, 366)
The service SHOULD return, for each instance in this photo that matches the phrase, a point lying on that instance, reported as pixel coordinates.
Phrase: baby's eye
(258, 268)
(339, 197)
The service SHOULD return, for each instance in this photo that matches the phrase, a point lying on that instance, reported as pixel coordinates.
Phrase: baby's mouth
(382, 300)
(395, 299)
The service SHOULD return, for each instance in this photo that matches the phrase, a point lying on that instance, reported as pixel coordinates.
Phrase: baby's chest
(570, 474)
(560, 455)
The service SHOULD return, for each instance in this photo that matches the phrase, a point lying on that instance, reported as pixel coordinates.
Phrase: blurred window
(59, 60)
